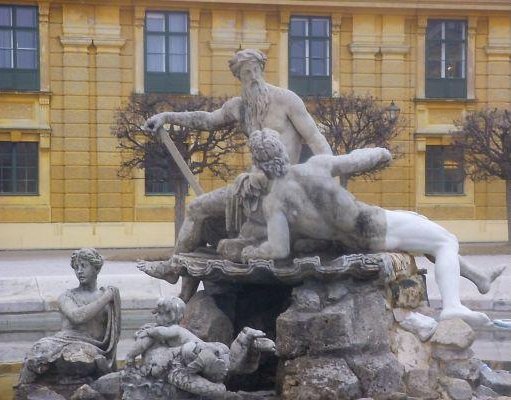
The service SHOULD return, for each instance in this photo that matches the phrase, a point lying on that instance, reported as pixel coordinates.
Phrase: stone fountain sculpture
(317, 270)
(85, 347)
(176, 364)
(167, 361)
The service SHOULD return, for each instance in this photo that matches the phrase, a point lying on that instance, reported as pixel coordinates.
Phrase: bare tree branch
(201, 150)
(352, 122)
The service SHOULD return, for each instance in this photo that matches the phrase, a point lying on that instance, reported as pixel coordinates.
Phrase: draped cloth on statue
(80, 349)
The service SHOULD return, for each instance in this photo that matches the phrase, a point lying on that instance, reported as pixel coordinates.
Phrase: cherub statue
(158, 343)
(306, 200)
(86, 344)
(172, 358)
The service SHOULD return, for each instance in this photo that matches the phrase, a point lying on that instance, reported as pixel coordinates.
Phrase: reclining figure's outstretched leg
(413, 233)
(481, 277)
(211, 204)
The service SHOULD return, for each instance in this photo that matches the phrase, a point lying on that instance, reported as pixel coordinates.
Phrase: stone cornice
(439, 5)
(224, 47)
(80, 43)
(108, 45)
(399, 49)
(498, 50)
(364, 48)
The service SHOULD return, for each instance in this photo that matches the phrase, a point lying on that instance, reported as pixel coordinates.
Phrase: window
(446, 60)
(161, 175)
(309, 56)
(19, 168)
(444, 171)
(19, 49)
(166, 52)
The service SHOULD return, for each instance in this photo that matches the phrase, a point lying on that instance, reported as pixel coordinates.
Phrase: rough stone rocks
(86, 392)
(359, 321)
(306, 299)
(108, 385)
(468, 370)
(457, 389)
(44, 393)
(410, 352)
(448, 355)
(204, 319)
(319, 378)
(379, 374)
(454, 334)
(484, 392)
(422, 383)
(499, 381)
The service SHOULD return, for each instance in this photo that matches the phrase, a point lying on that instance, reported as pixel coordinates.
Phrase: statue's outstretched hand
(154, 123)
(256, 339)
(385, 157)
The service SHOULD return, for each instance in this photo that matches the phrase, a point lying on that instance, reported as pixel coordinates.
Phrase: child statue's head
(169, 311)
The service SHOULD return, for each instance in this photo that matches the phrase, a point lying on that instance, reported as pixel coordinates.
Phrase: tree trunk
(508, 209)
(180, 205)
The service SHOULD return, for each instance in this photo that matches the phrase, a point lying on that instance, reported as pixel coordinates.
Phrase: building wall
(92, 59)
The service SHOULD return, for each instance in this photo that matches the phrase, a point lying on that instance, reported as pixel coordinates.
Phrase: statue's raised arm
(199, 120)
(360, 161)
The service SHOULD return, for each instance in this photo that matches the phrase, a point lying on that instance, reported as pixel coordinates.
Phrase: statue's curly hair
(88, 254)
(246, 55)
(268, 153)
(173, 305)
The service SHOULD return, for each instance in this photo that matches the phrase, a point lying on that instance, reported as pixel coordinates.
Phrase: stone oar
(181, 163)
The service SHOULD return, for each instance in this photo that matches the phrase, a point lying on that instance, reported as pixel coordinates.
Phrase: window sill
(443, 100)
(443, 195)
(34, 92)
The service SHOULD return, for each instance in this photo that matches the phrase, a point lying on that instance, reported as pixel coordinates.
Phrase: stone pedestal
(356, 326)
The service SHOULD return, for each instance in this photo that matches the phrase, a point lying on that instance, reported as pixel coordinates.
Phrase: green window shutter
(19, 168)
(167, 53)
(444, 171)
(19, 48)
(309, 56)
(446, 63)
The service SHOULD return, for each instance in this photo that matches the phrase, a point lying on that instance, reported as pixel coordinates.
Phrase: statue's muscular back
(317, 207)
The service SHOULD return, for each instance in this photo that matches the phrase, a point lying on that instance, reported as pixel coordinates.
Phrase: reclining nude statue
(306, 200)
(260, 106)
(172, 357)
(86, 345)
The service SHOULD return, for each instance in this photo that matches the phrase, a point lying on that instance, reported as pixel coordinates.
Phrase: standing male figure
(261, 105)
(306, 201)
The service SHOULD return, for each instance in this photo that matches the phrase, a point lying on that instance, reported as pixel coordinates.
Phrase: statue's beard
(256, 99)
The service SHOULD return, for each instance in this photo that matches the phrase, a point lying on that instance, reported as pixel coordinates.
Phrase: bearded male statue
(261, 105)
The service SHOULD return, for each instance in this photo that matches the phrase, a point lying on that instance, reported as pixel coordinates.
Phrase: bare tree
(484, 139)
(352, 122)
(201, 150)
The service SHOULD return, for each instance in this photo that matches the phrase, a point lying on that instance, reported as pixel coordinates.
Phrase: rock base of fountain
(351, 327)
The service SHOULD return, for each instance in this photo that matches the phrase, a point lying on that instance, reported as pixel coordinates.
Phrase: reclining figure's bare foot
(473, 318)
(486, 280)
(158, 269)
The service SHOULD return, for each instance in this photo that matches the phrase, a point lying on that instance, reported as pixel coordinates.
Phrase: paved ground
(30, 282)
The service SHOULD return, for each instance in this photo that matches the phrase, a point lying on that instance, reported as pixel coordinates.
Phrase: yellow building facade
(91, 55)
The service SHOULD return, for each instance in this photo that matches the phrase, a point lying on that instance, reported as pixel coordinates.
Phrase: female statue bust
(86, 344)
